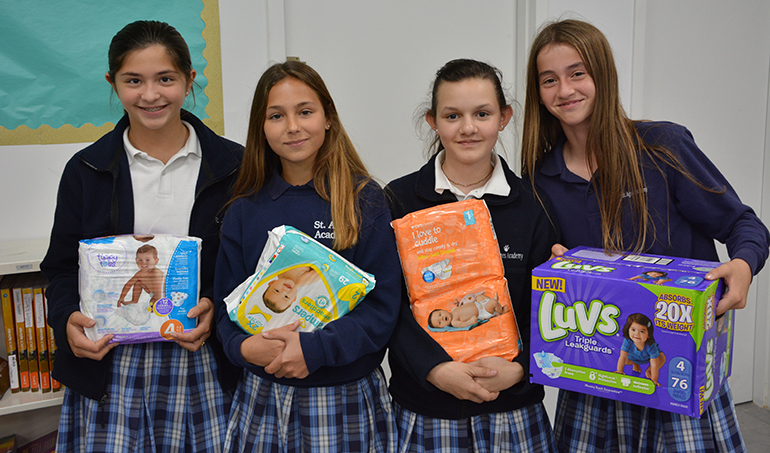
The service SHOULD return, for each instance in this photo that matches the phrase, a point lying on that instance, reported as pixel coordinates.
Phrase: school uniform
(431, 419)
(143, 397)
(343, 404)
(687, 219)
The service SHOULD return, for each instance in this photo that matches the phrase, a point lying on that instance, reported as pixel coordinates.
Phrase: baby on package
(471, 310)
(281, 292)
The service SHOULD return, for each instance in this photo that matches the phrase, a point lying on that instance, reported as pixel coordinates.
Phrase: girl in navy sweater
(161, 170)
(630, 185)
(487, 405)
(322, 390)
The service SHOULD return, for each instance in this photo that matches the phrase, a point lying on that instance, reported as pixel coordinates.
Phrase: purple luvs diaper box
(634, 328)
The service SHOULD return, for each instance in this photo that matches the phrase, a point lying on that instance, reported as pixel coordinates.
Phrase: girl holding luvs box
(160, 171)
(320, 390)
(488, 404)
(620, 185)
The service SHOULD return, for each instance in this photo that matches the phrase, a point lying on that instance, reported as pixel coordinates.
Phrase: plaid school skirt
(522, 430)
(355, 417)
(587, 423)
(162, 398)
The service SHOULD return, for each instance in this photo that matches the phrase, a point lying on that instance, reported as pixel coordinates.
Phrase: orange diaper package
(456, 281)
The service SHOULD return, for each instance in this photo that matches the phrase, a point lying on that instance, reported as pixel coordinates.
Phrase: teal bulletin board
(53, 57)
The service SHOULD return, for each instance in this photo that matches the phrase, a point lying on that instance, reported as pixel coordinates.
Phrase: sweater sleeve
(718, 212)
(60, 264)
(368, 326)
(230, 272)
(545, 235)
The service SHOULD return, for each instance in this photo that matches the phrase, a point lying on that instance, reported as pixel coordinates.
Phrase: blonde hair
(613, 145)
(339, 175)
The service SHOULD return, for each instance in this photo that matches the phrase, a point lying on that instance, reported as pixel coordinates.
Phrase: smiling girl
(317, 391)
(161, 170)
(630, 185)
(487, 405)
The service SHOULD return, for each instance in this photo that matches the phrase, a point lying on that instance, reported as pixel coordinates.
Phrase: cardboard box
(581, 305)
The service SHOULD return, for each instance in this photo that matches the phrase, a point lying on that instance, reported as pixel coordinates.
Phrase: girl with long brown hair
(321, 390)
(643, 186)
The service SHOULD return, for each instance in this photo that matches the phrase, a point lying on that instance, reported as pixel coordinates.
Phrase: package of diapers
(456, 281)
(297, 278)
(139, 288)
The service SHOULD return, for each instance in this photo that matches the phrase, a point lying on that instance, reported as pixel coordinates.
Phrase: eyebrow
(478, 107)
(569, 68)
(300, 105)
(136, 74)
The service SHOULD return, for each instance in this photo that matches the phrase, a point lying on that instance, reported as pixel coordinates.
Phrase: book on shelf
(8, 444)
(9, 332)
(29, 331)
(41, 334)
(55, 385)
(21, 336)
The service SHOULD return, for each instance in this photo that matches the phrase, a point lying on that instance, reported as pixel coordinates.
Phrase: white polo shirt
(164, 194)
(496, 184)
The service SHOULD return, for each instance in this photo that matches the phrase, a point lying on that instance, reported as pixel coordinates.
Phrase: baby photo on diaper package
(139, 288)
(456, 282)
(297, 278)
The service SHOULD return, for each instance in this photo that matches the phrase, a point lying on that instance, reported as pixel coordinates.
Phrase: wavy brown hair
(614, 145)
(338, 172)
(642, 320)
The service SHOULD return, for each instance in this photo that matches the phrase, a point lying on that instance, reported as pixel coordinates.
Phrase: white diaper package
(297, 278)
(139, 288)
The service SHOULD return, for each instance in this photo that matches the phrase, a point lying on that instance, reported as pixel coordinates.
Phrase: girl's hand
(194, 339)
(291, 362)
(557, 250)
(261, 351)
(737, 276)
(80, 345)
(459, 380)
(508, 373)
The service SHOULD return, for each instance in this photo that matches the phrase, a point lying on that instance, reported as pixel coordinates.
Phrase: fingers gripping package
(297, 278)
(634, 328)
(456, 281)
(139, 288)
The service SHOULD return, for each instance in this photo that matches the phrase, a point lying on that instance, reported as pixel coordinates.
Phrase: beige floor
(755, 427)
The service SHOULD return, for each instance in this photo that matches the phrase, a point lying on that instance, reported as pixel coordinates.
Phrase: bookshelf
(26, 414)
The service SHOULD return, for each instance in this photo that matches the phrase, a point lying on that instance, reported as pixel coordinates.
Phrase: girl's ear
(109, 80)
(506, 116)
(430, 118)
(190, 81)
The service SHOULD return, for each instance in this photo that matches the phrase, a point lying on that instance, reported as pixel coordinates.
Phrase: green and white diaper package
(297, 278)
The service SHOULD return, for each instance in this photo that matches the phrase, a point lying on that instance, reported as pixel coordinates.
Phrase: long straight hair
(338, 172)
(613, 144)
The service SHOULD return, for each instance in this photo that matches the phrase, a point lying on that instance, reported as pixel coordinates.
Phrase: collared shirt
(495, 185)
(164, 194)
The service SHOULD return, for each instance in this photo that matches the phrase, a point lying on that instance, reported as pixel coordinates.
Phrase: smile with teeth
(152, 109)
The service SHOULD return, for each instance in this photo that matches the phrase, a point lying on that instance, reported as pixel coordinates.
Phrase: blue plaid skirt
(587, 423)
(162, 398)
(521, 430)
(355, 417)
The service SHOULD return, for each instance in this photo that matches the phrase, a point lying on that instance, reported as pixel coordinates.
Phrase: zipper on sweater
(219, 218)
(102, 402)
